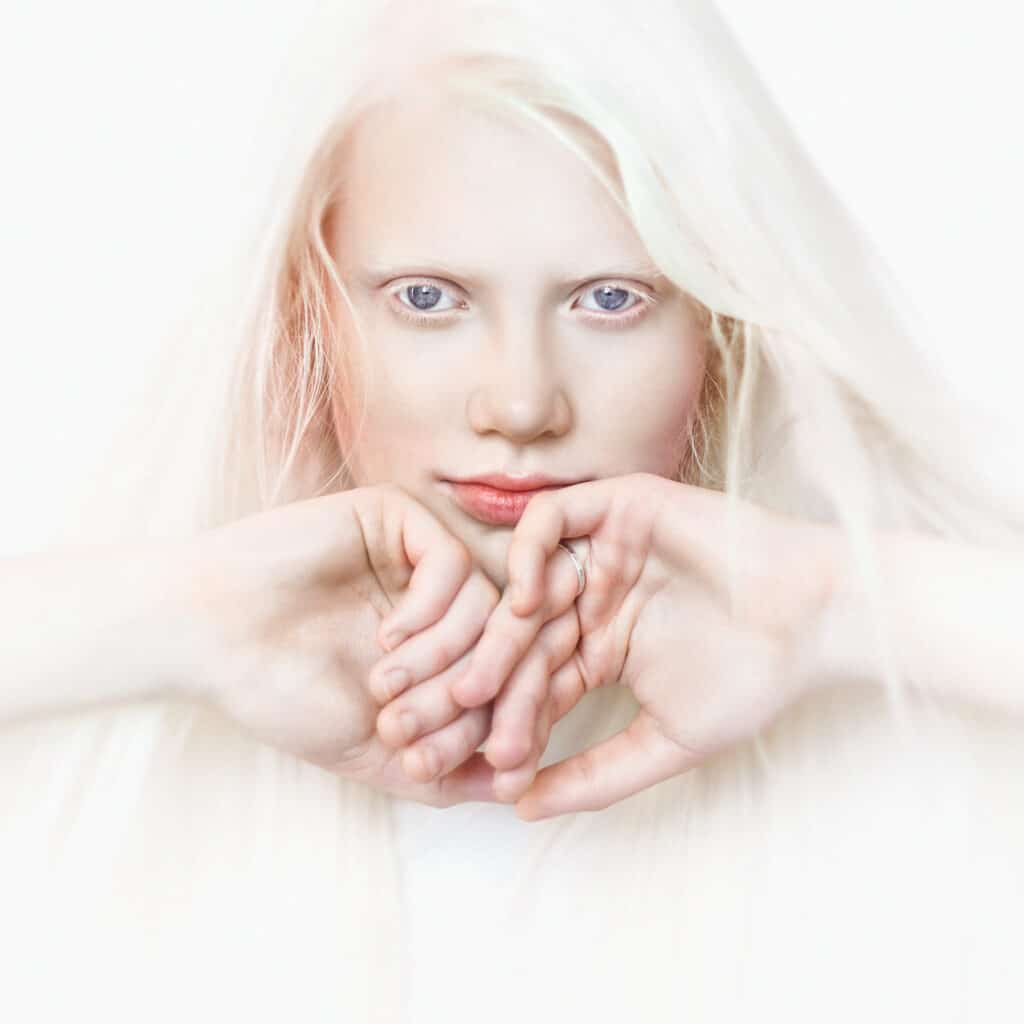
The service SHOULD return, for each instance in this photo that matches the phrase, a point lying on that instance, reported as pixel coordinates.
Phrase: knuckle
(461, 556)
(442, 656)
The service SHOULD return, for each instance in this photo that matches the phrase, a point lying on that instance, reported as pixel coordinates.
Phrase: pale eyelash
(613, 320)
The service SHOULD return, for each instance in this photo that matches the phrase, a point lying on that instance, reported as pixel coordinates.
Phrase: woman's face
(514, 322)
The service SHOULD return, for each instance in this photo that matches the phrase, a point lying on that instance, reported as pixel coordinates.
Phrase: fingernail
(394, 682)
(407, 725)
(392, 640)
(430, 762)
(501, 785)
(526, 813)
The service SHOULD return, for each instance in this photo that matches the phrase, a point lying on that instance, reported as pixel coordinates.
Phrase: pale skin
(708, 667)
(274, 619)
(263, 618)
(282, 619)
(504, 396)
(657, 586)
(516, 367)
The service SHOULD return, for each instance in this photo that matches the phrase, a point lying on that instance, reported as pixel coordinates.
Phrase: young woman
(577, 253)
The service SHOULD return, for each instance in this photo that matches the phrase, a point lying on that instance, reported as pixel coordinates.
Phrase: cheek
(403, 423)
(648, 422)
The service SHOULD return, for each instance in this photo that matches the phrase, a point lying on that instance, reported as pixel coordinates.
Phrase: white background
(114, 115)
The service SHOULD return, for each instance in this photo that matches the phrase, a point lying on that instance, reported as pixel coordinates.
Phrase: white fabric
(454, 864)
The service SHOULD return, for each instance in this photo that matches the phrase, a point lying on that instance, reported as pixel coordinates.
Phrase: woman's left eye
(610, 298)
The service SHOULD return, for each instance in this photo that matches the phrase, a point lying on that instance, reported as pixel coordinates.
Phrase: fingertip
(382, 733)
(527, 810)
(521, 578)
(421, 763)
(505, 755)
(525, 599)
(469, 694)
(391, 639)
(501, 786)
(520, 601)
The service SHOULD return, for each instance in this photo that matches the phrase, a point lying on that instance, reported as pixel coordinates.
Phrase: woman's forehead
(435, 179)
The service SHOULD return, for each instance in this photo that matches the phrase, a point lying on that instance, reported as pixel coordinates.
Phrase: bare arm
(954, 615)
(83, 626)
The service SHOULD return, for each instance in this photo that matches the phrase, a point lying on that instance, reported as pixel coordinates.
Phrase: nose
(522, 391)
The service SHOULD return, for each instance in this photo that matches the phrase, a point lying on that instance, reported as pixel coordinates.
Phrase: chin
(492, 557)
(488, 545)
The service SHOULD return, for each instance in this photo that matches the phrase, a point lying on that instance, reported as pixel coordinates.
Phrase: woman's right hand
(290, 606)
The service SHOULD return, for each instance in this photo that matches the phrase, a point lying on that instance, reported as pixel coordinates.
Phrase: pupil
(424, 296)
(609, 297)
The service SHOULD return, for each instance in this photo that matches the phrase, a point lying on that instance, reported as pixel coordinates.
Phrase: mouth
(498, 506)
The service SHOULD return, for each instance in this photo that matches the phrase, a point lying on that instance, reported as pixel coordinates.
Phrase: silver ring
(581, 575)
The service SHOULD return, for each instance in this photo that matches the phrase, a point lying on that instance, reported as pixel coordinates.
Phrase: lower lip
(491, 505)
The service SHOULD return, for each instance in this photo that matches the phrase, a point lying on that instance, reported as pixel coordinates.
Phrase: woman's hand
(294, 607)
(708, 667)
(534, 654)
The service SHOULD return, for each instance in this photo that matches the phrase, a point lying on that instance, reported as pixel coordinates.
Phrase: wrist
(839, 643)
(182, 595)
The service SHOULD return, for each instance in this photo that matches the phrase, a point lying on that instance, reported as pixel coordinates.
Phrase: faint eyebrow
(378, 274)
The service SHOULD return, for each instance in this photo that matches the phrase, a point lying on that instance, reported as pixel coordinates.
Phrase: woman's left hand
(709, 667)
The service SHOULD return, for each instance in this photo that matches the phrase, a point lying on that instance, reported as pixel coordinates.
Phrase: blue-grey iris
(609, 297)
(424, 296)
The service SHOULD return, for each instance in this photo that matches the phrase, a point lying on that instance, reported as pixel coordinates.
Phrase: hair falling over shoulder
(818, 856)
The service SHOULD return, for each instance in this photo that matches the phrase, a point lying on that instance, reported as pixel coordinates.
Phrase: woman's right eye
(427, 298)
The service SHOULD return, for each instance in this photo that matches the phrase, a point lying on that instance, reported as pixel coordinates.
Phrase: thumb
(440, 565)
(632, 760)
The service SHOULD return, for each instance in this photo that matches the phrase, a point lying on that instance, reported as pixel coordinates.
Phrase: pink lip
(501, 482)
(494, 505)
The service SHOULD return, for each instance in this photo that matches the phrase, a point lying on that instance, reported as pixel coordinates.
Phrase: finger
(511, 739)
(441, 564)
(550, 517)
(568, 685)
(431, 651)
(507, 637)
(523, 697)
(634, 759)
(471, 780)
(566, 688)
(421, 710)
(509, 785)
(443, 751)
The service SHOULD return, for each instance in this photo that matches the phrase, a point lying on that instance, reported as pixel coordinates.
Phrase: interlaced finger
(431, 651)
(525, 695)
(441, 564)
(507, 636)
(564, 692)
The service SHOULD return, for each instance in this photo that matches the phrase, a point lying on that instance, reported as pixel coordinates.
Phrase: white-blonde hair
(828, 860)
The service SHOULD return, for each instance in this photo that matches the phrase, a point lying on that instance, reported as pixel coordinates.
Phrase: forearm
(85, 626)
(952, 612)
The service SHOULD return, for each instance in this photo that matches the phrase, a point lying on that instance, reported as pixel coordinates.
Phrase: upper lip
(504, 482)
